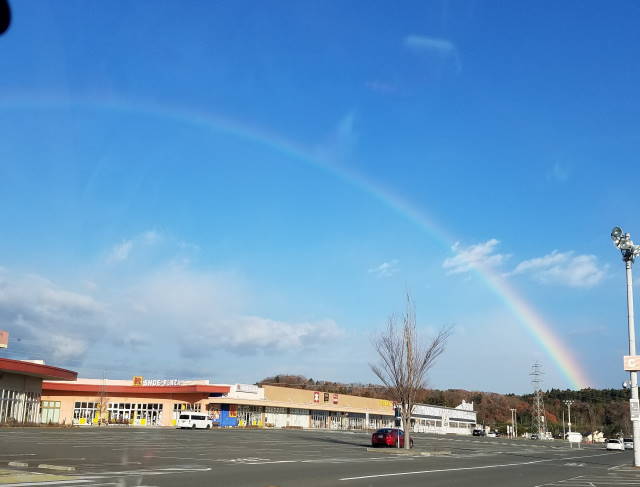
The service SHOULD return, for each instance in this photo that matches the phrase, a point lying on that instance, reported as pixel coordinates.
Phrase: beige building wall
(336, 401)
(67, 404)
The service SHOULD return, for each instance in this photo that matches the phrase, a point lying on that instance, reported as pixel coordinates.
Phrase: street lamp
(569, 403)
(629, 252)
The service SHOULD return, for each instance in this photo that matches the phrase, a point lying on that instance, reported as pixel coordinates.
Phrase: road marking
(595, 481)
(142, 472)
(481, 467)
(274, 461)
(50, 482)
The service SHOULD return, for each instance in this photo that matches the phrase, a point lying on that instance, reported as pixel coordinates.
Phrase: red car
(389, 437)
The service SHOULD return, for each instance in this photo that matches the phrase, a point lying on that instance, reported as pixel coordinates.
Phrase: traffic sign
(632, 363)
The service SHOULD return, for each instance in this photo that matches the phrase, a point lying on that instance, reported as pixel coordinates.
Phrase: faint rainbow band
(535, 324)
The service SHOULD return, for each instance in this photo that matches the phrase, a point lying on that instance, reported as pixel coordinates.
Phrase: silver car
(628, 443)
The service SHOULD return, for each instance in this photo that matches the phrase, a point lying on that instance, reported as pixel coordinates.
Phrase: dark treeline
(605, 410)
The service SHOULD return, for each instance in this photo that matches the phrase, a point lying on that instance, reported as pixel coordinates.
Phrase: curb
(410, 453)
(57, 467)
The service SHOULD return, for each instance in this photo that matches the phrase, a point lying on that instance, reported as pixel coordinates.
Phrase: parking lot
(261, 458)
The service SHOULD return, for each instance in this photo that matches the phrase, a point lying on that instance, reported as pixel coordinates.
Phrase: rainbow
(536, 325)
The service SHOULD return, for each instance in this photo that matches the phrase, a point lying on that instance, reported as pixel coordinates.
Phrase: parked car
(193, 420)
(478, 432)
(492, 434)
(535, 436)
(389, 437)
(614, 444)
(628, 443)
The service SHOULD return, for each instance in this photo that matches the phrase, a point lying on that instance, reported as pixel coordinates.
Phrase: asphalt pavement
(124, 457)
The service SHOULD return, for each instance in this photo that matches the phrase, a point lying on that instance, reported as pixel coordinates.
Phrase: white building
(438, 419)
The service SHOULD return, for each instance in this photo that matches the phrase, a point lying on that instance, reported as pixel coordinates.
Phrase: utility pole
(538, 401)
(513, 423)
(564, 433)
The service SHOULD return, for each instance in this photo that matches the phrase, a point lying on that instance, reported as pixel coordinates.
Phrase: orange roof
(36, 370)
(97, 388)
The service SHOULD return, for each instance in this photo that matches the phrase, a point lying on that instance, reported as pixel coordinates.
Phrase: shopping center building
(21, 388)
(159, 402)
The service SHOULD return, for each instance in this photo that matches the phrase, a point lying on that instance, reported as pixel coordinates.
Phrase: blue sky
(157, 221)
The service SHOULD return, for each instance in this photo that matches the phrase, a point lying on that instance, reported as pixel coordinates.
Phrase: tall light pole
(629, 252)
(569, 403)
(513, 423)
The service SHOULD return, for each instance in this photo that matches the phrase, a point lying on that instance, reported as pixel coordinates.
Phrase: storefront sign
(326, 397)
(162, 382)
(316, 397)
(251, 388)
(138, 380)
(4, 339)
(632, 363)
(335, 399)
(233, 411)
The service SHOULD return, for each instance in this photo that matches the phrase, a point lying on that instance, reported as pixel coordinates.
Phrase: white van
(193, 420)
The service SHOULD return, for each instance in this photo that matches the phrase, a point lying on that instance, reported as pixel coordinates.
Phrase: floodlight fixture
(616, 234)
(624, 243)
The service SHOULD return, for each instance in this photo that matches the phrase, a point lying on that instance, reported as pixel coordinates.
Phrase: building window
(19, 406)
(144, 414)
(50, 412)
(250, 415)
(85, 412)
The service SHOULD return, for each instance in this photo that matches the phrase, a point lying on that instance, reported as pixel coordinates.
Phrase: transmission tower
(538, 401)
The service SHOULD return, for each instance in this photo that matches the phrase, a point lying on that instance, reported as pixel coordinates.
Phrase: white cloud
(563, 268)
(122, 251)
(50, 321)
(386, 269)
(558, 173)
(172, 311)
(480, 255)
(252, 333)
(442, 46)
(383, 87)
(210, 308)
(150, 237)
(434, 46)
(341, 142)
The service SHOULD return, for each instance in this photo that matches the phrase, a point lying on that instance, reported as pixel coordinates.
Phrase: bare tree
(405, 360)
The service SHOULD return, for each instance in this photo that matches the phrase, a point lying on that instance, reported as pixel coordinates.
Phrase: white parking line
(50, 482)
(274, 461)
(481, 467)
